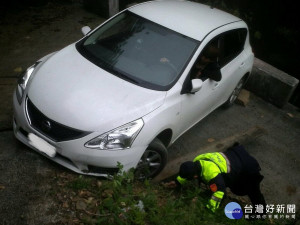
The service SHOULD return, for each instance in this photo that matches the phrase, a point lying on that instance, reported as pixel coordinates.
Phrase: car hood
(72, 91)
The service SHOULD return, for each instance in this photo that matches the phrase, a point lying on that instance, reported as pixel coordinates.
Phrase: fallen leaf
(65, 205)
(210, 140)
(290, 115)
(89, 200)
(123, 204)
(99, 184)
(107, 193)
(2, 187)
(85, 193)
(80, 205)
(75, 220)
(121, 216)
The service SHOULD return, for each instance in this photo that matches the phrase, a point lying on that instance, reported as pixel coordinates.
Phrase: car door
(232, 61)
(197, 105)
(213, 93)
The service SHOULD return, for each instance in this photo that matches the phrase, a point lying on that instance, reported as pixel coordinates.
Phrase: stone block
(270, 83)
(243, 98)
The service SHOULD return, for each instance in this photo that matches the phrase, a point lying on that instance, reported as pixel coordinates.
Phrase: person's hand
(171, 184)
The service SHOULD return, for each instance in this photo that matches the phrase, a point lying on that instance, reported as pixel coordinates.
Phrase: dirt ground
(28, 180)
(31, 34)
(26, 187)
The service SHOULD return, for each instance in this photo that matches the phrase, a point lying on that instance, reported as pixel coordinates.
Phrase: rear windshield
(139, 51)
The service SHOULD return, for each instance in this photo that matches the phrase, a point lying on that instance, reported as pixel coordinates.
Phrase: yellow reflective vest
(213, 165)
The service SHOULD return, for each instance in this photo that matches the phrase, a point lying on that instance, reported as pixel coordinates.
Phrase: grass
(80, 183)
(124, 200)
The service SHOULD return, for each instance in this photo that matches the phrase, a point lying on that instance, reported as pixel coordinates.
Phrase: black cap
(188, 170)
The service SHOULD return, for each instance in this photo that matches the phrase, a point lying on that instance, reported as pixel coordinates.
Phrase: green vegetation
(123, 200)
(80, 183)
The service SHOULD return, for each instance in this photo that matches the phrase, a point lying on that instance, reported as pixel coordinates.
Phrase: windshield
(139, 51)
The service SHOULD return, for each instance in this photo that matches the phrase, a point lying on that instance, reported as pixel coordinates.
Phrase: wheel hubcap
(149, 164)
(236, 91)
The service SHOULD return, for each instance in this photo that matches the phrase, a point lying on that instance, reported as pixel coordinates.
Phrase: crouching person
(234, 168)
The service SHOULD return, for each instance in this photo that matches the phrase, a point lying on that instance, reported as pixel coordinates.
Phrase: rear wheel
(235, 92)
(153, 160)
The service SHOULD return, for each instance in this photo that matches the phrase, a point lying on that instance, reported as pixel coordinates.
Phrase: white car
(127, 90)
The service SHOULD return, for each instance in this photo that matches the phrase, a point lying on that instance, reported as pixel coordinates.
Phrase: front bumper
(72, 154)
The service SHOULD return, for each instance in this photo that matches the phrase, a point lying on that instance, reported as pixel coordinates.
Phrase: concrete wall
(270, 83)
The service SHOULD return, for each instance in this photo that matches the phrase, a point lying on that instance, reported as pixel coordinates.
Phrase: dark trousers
(249, 184)
(244, 178)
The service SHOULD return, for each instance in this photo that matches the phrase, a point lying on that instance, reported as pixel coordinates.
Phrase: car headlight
(22, 81)
(119, 138)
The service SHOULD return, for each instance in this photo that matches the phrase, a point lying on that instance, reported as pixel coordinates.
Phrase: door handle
(242, 64)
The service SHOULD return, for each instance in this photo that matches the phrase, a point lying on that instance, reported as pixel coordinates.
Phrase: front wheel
(152, 161)
(235, 92)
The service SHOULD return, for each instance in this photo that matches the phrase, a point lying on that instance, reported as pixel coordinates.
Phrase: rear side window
(231, 45)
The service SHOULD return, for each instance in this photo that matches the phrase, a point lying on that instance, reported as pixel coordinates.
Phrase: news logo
(233, 211)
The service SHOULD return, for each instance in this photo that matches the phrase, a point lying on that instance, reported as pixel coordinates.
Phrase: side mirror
(85, 30)
(196, 85)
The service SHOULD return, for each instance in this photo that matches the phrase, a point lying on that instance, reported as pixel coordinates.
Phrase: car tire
(152, 161)
(233, 96)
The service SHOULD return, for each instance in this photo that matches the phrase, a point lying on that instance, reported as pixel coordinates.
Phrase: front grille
(65, 159)
(51, 129)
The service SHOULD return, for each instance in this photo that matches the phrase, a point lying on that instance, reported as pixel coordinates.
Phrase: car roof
(192, 19)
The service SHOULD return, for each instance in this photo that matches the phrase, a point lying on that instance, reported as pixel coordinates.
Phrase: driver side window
(207, 62)
(206, 66)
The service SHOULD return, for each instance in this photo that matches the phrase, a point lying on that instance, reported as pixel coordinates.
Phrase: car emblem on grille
(46, 125)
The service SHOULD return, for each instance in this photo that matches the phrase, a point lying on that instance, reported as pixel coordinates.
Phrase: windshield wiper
(124, 76)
